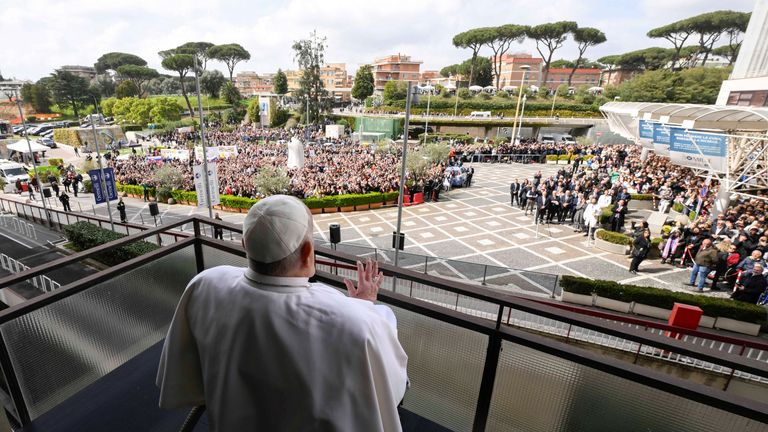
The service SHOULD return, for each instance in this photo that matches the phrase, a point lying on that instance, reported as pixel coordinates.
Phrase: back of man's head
(275, 233)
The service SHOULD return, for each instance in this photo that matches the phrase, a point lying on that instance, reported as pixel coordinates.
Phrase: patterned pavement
(478, 225)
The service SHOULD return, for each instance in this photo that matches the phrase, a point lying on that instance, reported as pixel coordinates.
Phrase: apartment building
(397, 67)
(87, 72)
(582, 76)
(251, 83)
(511, 72)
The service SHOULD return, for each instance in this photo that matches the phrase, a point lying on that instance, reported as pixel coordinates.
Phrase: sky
(39, 36)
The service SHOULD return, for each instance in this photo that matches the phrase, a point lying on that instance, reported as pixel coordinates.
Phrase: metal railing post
(486, 385)
(426, 263)
(485, 272)
(557, 280)
(198, 247)
(17, 399)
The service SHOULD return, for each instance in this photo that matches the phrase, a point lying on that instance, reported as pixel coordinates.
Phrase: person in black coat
(542, 204)
(751, 286)
(514, 189)
(640, 248)
(617, 218)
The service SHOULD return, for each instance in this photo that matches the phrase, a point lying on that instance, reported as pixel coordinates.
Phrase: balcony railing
(471, 367)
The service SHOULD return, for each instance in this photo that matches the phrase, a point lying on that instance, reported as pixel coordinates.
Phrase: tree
(138, 75)
(254, 110)
(562, 63)
(198, 49)
(182, 64)
(106, 85)
(69, 89)
(499, 40)
(38, 96)
(585, 37)
(676, 33)
(271, 181)
(695, 85)
(363, 83)
(449, 71)
(126, 89)
(728, 52)
(310, 55)
(649, 58)
(473, 39)
(229, 54)
(394, 91)
(231, 94)
(549, 38)
(281, 83)
(711, 26)
(211, 82)
(113, 60)
(481, 74)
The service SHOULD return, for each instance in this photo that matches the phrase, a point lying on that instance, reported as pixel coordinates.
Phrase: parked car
(47, 134)
(47, 142)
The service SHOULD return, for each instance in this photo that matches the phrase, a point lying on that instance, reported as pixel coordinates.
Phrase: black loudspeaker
(47, 192)
(394, 240)
(153, 210)
(335, 232)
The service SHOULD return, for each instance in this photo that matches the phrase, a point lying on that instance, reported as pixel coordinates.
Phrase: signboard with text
(109, 179)
(661, 139)
(213, 185)
(697, 149)
(213, 153)
(645, 133)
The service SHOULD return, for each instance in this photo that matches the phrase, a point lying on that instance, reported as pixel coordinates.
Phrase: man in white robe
(265, 349)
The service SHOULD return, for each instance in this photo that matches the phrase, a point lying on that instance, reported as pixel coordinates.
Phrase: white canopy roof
(475, 88)
(22, 147)
(490, 87)
(449, 87)
(694, 116)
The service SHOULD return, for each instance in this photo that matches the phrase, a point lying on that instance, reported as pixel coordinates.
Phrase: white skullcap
(274, 228)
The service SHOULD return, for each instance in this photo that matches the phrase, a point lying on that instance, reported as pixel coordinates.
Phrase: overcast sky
(41, 35)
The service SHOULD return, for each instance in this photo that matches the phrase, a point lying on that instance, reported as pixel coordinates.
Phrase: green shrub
(55, 162)
(552, 158)
(390, 196)
(642, 197)
(678, 207)
(184, 196)
(655, 242)
(67, 136)
(85, 235)
(605, 215)
(45, 171)
(564, 157)
(237, 202)
(665, 299)
(315, 203)
(614, 237)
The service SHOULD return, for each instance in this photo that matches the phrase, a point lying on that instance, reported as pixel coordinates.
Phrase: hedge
(437, 104)
(665, 299)
(55, 162)
(67, 136)
(45, 171)
(642, 197)
(605, 216)
(85, 235)
(552, 158)
(678, 207)
(564, 157)
(614, 237)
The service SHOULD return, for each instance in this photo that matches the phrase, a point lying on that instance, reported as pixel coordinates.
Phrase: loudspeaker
(47, 192)
(335, 232)
(394, 240)
(153, 210)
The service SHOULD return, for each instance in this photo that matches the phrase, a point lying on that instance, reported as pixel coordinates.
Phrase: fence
(41, 282)
(22, 227)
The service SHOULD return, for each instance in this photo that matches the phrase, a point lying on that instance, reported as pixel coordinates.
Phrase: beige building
(87, 72)
(398, 67)
(511, 72)
(251, 83)
(334, 77)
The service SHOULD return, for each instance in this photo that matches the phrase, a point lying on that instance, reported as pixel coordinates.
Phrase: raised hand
(369, 280)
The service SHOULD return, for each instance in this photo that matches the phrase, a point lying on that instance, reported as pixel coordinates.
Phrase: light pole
(103, 180)
(202, 141)
(525, 69)
(456, 105)
(554, 98)
(402, 180)
(522, 113)
(32, 155)
(426, 123)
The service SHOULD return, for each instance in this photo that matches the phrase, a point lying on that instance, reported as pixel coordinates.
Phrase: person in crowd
(732, 272)
(64, 199)
(751, 285)
(591, 218)
(670, 246)
(121, 211)
(514, 189)
(640, 248)
(723, 251)
(618, 213)
(334, 360)
(531, 199)
(577, 217)
(218, 232)
(747, 264)
(706, 260)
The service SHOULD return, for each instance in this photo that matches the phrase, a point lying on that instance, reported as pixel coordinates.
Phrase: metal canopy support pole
(32, 155)
(202, 141)
(103, 182)
(402, 179)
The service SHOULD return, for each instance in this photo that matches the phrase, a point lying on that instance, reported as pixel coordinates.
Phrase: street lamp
(522, 113)
(525, 69)
(12, 93)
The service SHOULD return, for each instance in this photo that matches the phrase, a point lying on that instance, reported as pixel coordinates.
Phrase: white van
(480, 114)
(546, 139)
(10, 172)
(565, 138)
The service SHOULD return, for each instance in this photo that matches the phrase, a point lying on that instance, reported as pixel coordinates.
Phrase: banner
(645, 133)
(661, 139)
(697, 149)
(174, 154)
(213, 153)
(213, 185)
(109, 179)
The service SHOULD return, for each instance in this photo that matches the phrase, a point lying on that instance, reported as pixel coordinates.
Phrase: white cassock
(604, 200)
(280, 354)
(295, 153)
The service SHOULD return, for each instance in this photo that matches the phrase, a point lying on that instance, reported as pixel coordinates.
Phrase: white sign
(220, 152)
(174, 154)
(213, 185)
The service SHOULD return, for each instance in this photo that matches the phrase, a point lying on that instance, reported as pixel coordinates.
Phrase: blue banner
(109, 179)
(700, 150)
(661, 134)
(645, 129)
